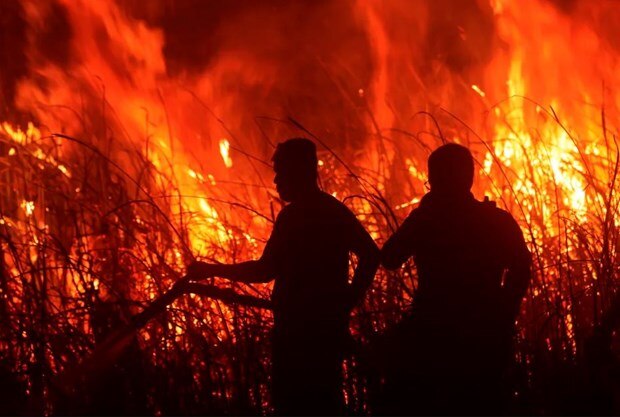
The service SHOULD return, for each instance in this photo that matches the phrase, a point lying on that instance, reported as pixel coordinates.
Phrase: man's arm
(400, 246)
(516, 281)
(368, 256)
(518, 273)
(257, 271)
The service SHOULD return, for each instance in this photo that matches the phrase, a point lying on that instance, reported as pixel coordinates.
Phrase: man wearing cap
(308, 257)
(473, 270)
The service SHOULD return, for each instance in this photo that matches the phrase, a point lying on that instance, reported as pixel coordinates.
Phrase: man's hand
(200, 270)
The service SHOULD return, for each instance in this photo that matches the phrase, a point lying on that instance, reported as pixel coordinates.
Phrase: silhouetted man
(473, 270)
(308, 256)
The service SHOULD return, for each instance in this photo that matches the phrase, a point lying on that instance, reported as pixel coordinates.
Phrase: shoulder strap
(488, 203)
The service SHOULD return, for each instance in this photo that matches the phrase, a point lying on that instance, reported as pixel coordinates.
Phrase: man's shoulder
(331, 201)
(319, 200)
(286, 214)
(321, 205)
(330, 207)
(491, 212)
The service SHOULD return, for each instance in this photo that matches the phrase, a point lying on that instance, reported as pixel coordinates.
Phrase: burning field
(136, 136)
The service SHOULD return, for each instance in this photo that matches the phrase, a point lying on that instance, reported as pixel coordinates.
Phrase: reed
(90, 236)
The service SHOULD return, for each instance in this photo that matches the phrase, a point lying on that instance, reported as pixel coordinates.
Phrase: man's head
(295, 165)
(451, 169)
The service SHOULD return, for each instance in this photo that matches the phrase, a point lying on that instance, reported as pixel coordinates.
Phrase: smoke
(306, 59)
(337, 66)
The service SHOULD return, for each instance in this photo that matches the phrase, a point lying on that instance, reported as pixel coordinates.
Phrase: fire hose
(107, 352)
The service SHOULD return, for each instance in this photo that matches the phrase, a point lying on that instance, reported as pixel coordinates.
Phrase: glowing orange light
(225, 152)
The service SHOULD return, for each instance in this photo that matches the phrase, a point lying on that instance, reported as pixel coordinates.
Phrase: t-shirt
(308, 254)
(462, 249)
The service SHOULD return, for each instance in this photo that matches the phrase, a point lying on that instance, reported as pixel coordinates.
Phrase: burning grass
(90, 234)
